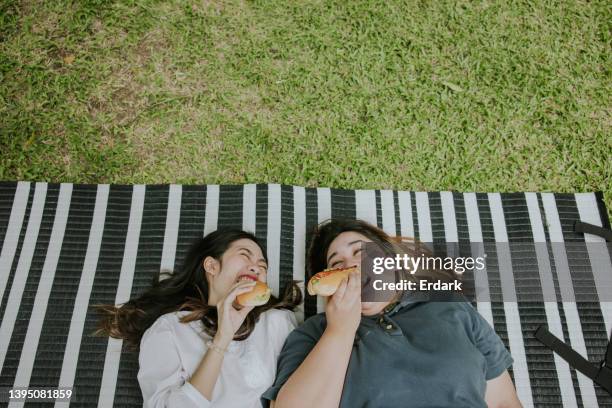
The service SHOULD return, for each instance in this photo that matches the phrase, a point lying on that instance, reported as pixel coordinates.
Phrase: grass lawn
(427, 95)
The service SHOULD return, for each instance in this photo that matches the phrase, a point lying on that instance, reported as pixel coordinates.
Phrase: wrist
(221, 340)
(340, 333)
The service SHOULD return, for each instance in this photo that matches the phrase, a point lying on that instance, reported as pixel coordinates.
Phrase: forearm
(205, 376)
(319, 380)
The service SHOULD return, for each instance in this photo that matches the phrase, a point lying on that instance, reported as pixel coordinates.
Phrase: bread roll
(256, 297)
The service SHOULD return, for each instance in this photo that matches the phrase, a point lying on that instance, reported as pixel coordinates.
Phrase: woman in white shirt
(196, 349)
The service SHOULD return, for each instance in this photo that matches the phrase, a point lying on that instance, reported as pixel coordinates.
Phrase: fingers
(238, 289)
(341, 291)
(245, 311)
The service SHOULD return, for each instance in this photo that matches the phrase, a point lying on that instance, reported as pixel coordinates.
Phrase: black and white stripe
(15, 303)
(66, 247)
(565, 386)
(123, 292)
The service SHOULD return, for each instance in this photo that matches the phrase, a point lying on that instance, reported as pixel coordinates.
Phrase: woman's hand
(343, 309)
(229, 318)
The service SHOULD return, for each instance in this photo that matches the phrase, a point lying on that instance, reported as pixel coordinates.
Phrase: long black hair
(186, 289)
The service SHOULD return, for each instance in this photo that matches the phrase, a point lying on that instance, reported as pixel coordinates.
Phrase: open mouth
(246, 277)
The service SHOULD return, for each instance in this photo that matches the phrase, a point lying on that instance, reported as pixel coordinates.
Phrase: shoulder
(166, 323)
(314, 326)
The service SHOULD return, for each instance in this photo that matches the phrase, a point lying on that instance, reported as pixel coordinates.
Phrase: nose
(253, 269)
(348, 262)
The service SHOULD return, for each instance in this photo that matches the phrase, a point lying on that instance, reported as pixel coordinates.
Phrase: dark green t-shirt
(421, 353)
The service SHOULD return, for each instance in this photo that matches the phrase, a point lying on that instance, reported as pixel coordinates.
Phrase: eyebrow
(251, 253)
(335, 253)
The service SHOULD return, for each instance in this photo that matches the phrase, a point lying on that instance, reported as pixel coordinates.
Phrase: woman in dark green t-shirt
(403, 352)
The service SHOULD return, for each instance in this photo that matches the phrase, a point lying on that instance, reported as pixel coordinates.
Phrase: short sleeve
(497, 357)
(295, 350)
(161, 375)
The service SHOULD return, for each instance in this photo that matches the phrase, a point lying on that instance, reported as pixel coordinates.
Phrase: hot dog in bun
(326, 283)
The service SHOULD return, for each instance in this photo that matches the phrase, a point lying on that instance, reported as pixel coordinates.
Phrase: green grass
(468, 96)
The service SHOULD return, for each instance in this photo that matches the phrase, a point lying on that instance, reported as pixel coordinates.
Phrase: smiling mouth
(246, 277)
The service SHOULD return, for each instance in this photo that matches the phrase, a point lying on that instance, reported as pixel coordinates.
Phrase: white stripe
(81, 303)
(550, 302)
(388, 211)
(598, 255)
(513, 321)
(173, 216)
(273, 238)
(405, 209)
(23, 267)
(11, 238)
(299, 244)
(423, 217)
(124, 288)
(249, 200)
(323, 214)
(37, 318)
(572, 318)
(212, 208)
(365, 206)
(448, 213)
(481, 280)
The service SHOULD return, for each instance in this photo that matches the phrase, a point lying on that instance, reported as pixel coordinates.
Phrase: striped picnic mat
(68, 246)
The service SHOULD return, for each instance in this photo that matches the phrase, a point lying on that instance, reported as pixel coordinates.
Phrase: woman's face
(243, 259)
(345, 251)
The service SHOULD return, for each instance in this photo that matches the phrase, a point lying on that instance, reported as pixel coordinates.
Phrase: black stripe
(398, 226)
(593, 328)
(463, 230)
(191, 224)
(7, 196)
(54, 335)
(310, 302)
(230, 207)
(435, 215)
(286, 238)
(378, 205)
(343, 203)
(540, 360)
(261, 213)
(13, 354)
(560, 307)
(463, 235)
(497, 303)
(92, 353)
(415, 218)
(148, 263)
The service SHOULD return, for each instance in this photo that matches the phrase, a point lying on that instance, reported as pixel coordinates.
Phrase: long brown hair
(327, 231)
(186, 289)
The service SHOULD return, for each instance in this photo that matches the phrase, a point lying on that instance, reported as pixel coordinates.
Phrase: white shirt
(170, 352)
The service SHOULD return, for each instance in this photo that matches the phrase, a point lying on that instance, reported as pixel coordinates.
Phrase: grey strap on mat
(602, 373)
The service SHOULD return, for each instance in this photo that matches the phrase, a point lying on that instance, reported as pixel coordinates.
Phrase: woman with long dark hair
(196, 347)
(407, 351)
